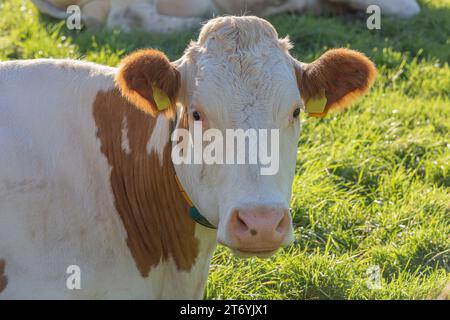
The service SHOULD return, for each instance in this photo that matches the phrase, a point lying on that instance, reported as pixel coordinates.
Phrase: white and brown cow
(86, 174)
(170, 15)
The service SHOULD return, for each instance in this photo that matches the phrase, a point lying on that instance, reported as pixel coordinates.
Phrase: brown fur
(151, 206)
(3, 279)
(344, 74)
(139, 71)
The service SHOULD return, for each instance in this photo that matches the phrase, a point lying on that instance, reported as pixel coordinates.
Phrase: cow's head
(239, 75)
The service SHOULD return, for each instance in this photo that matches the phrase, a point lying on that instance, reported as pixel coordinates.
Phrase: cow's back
(56, 207)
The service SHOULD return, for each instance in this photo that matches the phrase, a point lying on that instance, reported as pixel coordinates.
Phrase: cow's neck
(146, 194)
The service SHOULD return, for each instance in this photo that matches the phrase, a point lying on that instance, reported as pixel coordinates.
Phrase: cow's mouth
(260, 253)
(251, 252)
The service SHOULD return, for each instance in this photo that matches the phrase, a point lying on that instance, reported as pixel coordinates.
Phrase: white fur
(242, 76)
(170, 15)
(396, 8)
(125, 142)
(56, 204)
(160, 137)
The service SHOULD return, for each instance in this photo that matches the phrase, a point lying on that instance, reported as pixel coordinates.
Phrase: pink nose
(259, 229)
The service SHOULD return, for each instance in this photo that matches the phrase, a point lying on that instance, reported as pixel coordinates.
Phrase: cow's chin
(250, 254)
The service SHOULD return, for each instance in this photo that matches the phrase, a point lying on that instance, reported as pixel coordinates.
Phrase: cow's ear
(334, 80)
(149, 81)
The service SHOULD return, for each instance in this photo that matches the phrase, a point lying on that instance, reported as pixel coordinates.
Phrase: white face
(251, 89)
(240, 76)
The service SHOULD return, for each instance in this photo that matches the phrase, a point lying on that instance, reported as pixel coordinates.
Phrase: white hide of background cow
(170, 15)
(86, 177)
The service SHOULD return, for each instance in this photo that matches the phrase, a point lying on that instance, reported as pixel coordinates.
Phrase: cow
(171, 15)
(91, 203)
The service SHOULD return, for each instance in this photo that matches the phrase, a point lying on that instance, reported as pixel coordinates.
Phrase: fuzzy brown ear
(149, 81)
(334, 80)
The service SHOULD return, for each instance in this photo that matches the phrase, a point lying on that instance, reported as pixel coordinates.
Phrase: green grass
(372, 184)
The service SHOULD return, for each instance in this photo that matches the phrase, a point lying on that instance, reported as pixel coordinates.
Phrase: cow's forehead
(244, 84)
(239, 42)
(237, 33)
(245, 76)
(242, 66)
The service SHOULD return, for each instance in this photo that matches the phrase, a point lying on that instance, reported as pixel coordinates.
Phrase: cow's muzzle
(258, 231)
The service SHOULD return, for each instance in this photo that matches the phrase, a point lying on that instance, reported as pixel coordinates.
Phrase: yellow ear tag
(161, 98)
(316, 105)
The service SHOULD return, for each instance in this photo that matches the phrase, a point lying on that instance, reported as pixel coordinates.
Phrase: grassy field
(373, 184)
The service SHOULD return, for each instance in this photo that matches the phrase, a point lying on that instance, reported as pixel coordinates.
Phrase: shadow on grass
(424, 259)
(428, 31)
(311, 35)
(118, 41)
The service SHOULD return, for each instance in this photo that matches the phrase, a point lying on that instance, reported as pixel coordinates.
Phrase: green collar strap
(197, 217)
(163, 102)
(193, 211)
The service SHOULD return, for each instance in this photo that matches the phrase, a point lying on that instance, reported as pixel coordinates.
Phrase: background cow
(170, 15)
(86, 176)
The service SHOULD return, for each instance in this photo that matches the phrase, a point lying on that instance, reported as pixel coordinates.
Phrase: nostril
(240, 225)
(282, 225)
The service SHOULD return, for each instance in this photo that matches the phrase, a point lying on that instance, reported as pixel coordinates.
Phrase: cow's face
(239, 75)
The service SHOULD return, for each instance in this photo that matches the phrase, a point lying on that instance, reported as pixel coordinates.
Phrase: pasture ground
(373, 183)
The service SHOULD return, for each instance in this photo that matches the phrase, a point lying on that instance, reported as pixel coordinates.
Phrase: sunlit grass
(373, 183)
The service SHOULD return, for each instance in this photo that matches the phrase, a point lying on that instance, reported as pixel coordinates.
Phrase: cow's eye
(296, 113)
(196, 115)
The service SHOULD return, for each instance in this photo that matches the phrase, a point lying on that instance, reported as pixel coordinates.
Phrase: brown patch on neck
(3, 279)
(151, 206)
